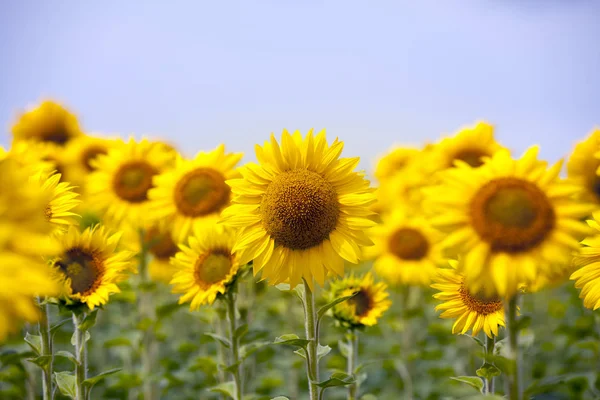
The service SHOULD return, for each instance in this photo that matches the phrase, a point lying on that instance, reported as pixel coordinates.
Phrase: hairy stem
(489, 352)
(81, 355)
(352, 363)
(44, 329)
(146, 309)
(310, 324)
(235, 352)
(514, 381)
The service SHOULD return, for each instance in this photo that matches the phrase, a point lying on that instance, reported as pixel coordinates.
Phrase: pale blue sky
(373, 73)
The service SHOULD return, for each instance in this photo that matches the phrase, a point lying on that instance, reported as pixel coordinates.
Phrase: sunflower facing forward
(194, 192)
(302, 210)
(583, 167)
(513, 220)
(587, 276)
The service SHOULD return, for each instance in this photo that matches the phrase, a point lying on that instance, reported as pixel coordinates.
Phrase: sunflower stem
(81, 355)
(352, 363)
(490, 343)
(235, 355)
(514, 384)
(310, 324)
(219, 328)
(44, 329)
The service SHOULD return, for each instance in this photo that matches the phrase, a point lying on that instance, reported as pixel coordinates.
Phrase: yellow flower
(407, 250)
(49, 122)
(587, 262)
(206, 267)
(79, 154)
(584, 165)
(513, 220)
(394, 162)
(472, 310)
(90, 266)
(194, 192)
(365, 307)
(119, 186)
(62, 200)
(302, 211)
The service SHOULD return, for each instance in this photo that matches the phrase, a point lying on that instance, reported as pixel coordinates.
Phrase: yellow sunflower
(194, 192)
(406, 249)
(472, 310)
(62, 200)
(513, 220)
(302, 210)
(394, 162)
(49, 122)
(366, 307)
(90, 266)
(206, 267)
(79, 154)
(583, 167)
(119, 186)
(587, 262)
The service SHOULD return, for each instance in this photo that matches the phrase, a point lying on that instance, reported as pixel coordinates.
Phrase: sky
(374, 74)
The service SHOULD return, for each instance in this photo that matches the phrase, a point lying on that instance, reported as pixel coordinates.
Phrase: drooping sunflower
(513, 220)
(302, 210)
(206, 266)
(49, 122)
(369, 303)
(587, 262)
(194, 192)
(583, 167)
(90, 265)
(79, 154)
(119, 186)
(406, 249)
(62, 200)
(474, 311)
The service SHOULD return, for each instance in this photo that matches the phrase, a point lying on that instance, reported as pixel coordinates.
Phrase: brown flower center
(161, 245)
(512, 215)
(58, 135)
(212, 267)
(91, 153)
(362, 303)
(479, 302)
(471, 156)
(133, 180)
(408, 244)
(595, 186)
(299, 209)
(83, 268)
(201, 191)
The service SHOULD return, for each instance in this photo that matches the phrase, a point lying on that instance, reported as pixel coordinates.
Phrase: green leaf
(337, 379)
(248, 349)
(335, 302)
(222, 339)
(292, 340)
(69, 356)
(90, 382)
(166, 310)
(118, 341)
(477, 340)
(87, 337)
(226, 388)
(280, 398)
(240, 331)
(58, 325)
(488, 371)
(42, 361)
(233, 367)
(298, 290)
(35, 342)
(322, 351)
(523, 322)
(473, 381)
(66, 383)
(301, 352)
(344, 348)
(89, 321)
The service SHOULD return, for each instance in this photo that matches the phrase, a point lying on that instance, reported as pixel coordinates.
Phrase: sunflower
(394, 162)
(472, 310)
(587, 262)
(79, 154)
(206, 267)
(49, 122)
(401, 191)
(62, 200)
(584, 165)
(119, 186)
(302, 211)
(513, 220)
(194, 192)
(407, 250)
(90, 266)
(369, 303)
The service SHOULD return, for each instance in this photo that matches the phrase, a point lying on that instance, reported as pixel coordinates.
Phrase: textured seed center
(133, 180)
(58, 135)
(91, 153)
(361, 303)
(82, 268)
(480, 303)
(162, 246)
(201, 191)
(299, 209)
(408, 244)
(471, 157)
(512, 215)
(212, 267)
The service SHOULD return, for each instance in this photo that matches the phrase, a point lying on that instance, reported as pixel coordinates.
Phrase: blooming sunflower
(394, 162)
(79, 154)
(62, 200)
(206, 267)
(302, 210)
(49, 122)
(472, 310)
(513, 220)
(119, 186)
(406, 249)
(587, 262)
(90, 266)
(194, 192)
(583, 167)
(369, 303)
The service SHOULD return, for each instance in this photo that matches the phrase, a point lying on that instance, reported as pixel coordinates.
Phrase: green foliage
(66, 383)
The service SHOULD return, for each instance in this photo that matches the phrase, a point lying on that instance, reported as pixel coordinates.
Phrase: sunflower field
(457, 270)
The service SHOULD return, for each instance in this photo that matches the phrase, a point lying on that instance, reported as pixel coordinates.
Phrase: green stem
(221, 313)
(489, 352)
(235, 352)
(514, 384)
(146, 310)
(81, 355)
(310, 324)
(352, 363)
(44, 329)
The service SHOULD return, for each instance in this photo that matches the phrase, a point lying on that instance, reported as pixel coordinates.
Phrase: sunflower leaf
(332, 304)
(165, 310)
(337, 379)
(226, 388)
(322, 351)
(231, 368)
(344, 348)
(473, 381)
(90, 382)
(280, 398)
(298, 290)
(240, 331)
(42, 361)
(222, 339)
(35, 342)
(89, 321)
(68, 355)
(58, 325)
(87, 337)
(488, 371)
(301, 352)
(248, 349)
(66, 383)
(292, 340)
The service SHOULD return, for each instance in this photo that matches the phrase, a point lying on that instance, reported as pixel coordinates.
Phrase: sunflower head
(302, 210)
(62, 200)
(369, 303)
(395, 162)
(80, 154)
(587, 266)
(583, 167)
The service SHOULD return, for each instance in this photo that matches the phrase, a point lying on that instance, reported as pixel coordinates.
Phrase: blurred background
(389, 72)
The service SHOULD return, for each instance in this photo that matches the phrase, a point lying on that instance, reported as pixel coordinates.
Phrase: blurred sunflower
(513, 220)
(369, 303)
(587, 264)
(407, 250)
(194, 192)
(119, 186)
(49, 122)
(206, 267)
(394, 162)
(472, 310)
(90, 266)
(302, 211)
(62, 200)
(79, 154)
(583, 167)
